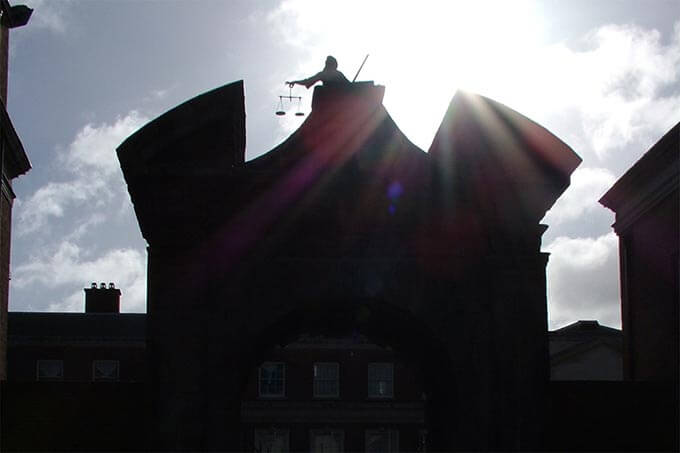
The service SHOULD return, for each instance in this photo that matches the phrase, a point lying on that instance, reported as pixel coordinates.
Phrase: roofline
(501, 108)
(616, 195)
(69, 313)
(573, 327)
(142, 144)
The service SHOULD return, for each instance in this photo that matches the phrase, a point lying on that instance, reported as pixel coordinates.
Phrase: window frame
(325, 431)
(94, 367)
(48, 379)
(315, 381)
(274, 432)
(370, 381)
(392, 438)
(283, 380)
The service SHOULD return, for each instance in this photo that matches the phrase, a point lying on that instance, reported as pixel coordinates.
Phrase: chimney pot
(102, 299)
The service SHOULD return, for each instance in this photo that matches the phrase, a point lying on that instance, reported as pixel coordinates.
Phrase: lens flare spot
(395, 190)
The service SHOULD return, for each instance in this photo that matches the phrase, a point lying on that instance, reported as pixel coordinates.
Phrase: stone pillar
(176, 353)
(520, 345)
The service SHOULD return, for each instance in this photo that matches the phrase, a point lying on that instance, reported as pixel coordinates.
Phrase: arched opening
(347, 376)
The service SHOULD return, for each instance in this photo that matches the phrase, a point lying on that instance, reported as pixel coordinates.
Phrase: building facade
(347, 226)
(334, 394)
(647, 206)
(585, 351)
(314, 393)
(13, 163)
(345, 291)
(100, 345)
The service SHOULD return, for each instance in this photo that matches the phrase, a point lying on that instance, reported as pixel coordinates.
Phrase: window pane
(271, 440)
(377, 441)
(382, 440)
(50, 369)
(326, 379)
(326, 370)
(272, 379)
(105, 370)
(326, 388)
(327, 441)
(380, 380)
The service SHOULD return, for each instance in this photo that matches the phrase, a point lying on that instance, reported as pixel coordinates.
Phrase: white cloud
(68, 265)
(616, 86)
(94, 147)
(159, 94)
(94, 219)
(93, 170)
(624, 90)
(73, 303)
(56, 224)
(583, 280)
(587, 187)
(51, 201)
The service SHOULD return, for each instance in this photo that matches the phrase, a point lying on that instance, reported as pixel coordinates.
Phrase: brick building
(647, 206)
(76, 380)
(13, 162)
(316, 392)
(312, 391)
(100, 345)
(343, 394)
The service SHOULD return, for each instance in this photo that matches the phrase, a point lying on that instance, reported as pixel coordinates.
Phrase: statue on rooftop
(329, 76)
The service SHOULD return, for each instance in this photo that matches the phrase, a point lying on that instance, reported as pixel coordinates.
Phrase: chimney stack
(102, 299)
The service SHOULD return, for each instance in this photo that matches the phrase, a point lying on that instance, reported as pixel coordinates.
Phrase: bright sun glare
(421, 52)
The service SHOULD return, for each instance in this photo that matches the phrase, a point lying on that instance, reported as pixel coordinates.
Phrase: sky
(603, 76)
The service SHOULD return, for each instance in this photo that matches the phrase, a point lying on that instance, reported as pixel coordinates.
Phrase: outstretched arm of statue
(306, 82)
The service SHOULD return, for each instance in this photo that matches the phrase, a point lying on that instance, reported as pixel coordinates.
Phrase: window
(272, 381)
(326, 380)
(327, 440)
(271, 440)
(105, 370)
(50, 370)
(382, 440)
(380, 380)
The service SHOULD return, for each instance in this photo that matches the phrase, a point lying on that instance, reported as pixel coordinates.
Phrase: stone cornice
(648, 182)
(15, 159)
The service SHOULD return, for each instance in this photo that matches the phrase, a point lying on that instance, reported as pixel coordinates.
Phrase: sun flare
(422, 53)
